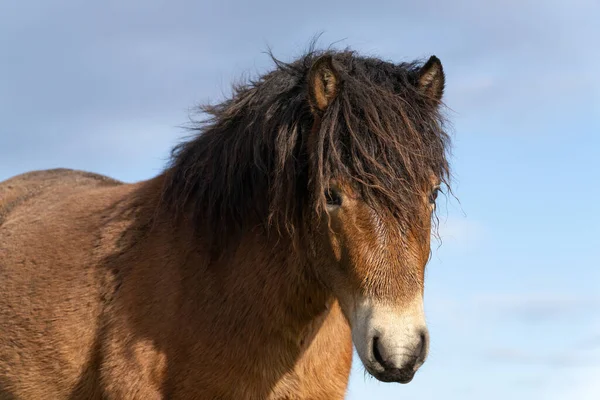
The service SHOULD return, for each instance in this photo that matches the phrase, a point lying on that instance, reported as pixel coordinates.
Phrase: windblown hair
(264, 158)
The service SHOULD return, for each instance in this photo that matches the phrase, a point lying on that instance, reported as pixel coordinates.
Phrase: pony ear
(323, 82)
(431, 80)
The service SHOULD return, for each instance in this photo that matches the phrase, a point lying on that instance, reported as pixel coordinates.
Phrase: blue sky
(513, 293)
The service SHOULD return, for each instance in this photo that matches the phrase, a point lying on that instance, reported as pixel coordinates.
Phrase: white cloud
(536, 306)
(588, 387)
(571, 358)
(460, 231)
(584, 385)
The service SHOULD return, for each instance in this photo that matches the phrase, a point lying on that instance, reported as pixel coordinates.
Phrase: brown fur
(179, 287)
(98, 300)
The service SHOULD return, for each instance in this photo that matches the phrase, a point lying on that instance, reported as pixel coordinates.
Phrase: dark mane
(258, 163)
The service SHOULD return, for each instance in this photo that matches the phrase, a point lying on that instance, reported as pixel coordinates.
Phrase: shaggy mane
(257, 162)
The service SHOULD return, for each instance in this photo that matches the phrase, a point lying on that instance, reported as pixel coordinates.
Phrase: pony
(295, 223)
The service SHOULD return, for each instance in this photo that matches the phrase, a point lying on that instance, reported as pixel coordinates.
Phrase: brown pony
(296, 222)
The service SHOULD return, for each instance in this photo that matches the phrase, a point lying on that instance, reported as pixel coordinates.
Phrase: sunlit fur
(228, 276)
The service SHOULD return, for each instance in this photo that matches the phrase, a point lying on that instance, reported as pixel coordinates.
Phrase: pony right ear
(431, 80)
(323, 83)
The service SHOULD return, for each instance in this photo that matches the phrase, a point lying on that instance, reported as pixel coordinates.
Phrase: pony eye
(333, 198)
(434, 194)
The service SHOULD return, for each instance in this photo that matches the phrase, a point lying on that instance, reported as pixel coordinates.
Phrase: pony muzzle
(391, 342)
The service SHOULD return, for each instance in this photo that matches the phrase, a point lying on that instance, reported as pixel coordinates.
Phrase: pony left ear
(432, 80)
(323, 82)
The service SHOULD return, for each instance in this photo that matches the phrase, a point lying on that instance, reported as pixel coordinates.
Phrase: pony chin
(392, 341)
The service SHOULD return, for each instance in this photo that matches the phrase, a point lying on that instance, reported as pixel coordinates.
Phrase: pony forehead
(257, 158)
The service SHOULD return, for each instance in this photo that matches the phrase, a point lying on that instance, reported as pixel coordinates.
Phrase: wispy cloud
(519, 356)
(584, 386)
(560, 376)
(591, 342)
(539, 306)
(457, 231)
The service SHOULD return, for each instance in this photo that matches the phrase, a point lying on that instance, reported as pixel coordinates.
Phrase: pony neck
(262, 288)
(270, 280)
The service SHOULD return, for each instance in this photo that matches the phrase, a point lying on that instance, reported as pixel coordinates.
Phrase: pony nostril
(424, 346)
(376, 353)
